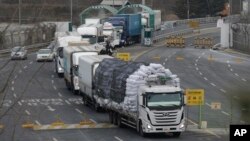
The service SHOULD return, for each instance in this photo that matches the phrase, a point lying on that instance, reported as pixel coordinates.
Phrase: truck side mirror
(184, 98)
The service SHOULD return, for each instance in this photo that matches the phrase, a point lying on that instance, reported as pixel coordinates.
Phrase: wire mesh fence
(241, 37)
(39, 33)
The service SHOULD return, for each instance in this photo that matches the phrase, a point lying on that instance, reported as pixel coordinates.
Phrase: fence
(40, 33)
(241, 38)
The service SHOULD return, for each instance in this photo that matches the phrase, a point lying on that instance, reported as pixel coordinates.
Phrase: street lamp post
(20, 14)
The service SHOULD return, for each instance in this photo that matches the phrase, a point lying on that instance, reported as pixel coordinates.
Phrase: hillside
(59, 10)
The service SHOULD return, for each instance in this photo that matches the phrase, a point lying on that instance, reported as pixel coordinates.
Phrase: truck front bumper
(163, 129)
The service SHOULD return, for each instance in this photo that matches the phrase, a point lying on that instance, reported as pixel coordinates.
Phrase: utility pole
(71, 11)
(188, 9)
(20, 14)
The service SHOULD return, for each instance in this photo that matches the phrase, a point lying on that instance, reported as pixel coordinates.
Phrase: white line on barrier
(236, 74)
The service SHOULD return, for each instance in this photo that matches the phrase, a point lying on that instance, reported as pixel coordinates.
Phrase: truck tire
(141, 132)
(176, 134)
(60, 75)
(119, 121)
(111, 117)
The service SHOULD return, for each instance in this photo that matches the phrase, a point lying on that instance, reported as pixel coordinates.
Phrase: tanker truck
(143, 96)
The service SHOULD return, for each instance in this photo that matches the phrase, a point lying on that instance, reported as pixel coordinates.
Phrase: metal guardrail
(29, 48)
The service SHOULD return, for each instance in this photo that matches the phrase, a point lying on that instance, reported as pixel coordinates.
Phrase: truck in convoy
(146, 97)
(91, 33)
(153, 22)
(112, 33)
(61, 43)
(71, 61)
(130, 25)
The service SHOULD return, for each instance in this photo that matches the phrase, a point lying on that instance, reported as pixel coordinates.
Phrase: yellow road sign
(195, 97)
(123, 56)
(215, 105)
(194, 24)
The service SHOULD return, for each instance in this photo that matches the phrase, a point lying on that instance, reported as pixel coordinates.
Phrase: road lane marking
(213, 84)
(19, 103)
(166, 59)
(164, 63)
(27, 112)
(24, 67)
(203, 53)
(67, 102)
(229, 65)
(196, 60)
(15, 95)
(93, 121)
(195, 64)
(20, 71)
(199, 57)
(197, 68)
(200, 73)
(231, 70)
(38, 123)
(60, 94)
(117, 138)
(54, 87)
(192, 122)
(208, 104)
(52, 81)
(12, 82)
(224, 91)
(205, 78)
(54, 139)
(79, 111)
(12, 88)
(15, 76)
(52, 76)
(228, 61)
(51, 109)
(212, 133)
(31, 62)
(225, 113)
(236, 74)
(243, 79)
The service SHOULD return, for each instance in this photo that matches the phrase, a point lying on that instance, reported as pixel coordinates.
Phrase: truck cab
(109, 31)
(161, 109)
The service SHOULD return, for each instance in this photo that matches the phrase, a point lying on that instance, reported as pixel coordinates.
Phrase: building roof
(115, 2)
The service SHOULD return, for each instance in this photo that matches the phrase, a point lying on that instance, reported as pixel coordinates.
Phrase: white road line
(228, 61)
(15, 95)
(25, 67)
(229, 65)
(166, 59)
(79, 111)
(12, 88)
(117, 138)
(243, 79)
(54, 139)
(93, 121)
(203, 53)
(231, 70)
(200, 73)
(225, 113)
(205, 78)
(213, 84)
(50, 108)
(192, 122)
(12, 82)
(163, 63)
(208, 104)
(37, 122)
(19, 103)
(224, 91)
(197, 68)
(27, 112)
(195, 64)
(52, 81)
(52, 76)
(60, 94)
(67, 102)
(20, 71)
(196, 60)
(54, 87)
(31, 62)
(15, 76)
(199, 57)
(236, 74)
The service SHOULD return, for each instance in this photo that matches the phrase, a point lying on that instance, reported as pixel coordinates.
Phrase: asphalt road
(35, 94)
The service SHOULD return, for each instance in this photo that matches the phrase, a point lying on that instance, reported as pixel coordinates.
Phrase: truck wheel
(114, 118)
(176, 134)
(111, 117)
(142, 133)
(96, 106)
(60, 75)
(119, 121)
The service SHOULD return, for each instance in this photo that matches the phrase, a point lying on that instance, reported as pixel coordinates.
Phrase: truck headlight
(182, 126)
(60, 69)
(149, 126)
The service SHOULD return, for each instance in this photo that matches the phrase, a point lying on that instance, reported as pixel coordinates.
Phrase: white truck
(71, 61)
(91, 33)
(112, 33)
(145, 97)
(61, 43)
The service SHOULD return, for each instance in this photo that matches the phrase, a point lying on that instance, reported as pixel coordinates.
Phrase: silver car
(44, 55)
(18, 53)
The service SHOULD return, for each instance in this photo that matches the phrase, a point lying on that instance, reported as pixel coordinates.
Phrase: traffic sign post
(123, 56)
(195, 97)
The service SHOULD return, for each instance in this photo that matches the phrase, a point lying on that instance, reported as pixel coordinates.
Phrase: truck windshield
(164, 100)
(91, 39)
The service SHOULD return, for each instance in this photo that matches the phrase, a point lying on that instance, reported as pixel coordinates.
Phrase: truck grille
(165, 117)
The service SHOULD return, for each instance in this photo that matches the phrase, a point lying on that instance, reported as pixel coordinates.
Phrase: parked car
(18, 52)
(44, 55)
